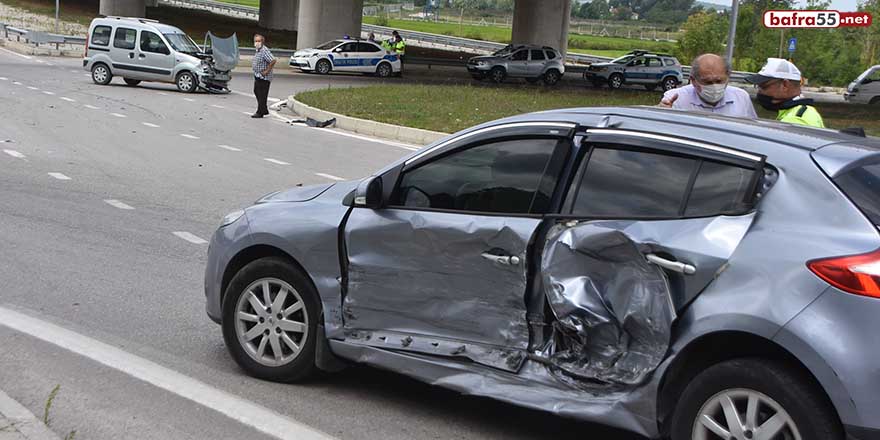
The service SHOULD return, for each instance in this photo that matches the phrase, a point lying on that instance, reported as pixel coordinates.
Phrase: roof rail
(140, 19)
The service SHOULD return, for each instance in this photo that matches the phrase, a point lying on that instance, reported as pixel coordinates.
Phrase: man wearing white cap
(779, 89)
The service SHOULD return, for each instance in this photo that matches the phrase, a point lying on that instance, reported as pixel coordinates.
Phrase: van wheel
(497, 74)
(615, 81)
(101, 74)
(745, 399)
(384, 70)
(186, 82)
(131, 82)
(669, 83)
(323, 67)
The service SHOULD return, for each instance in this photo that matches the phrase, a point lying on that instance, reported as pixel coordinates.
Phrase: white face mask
(258, 45)
(713, 93)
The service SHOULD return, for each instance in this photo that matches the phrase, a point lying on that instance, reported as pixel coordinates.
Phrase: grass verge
(467, 105)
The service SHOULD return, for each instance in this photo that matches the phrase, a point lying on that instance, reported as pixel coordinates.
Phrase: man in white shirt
(709, 91)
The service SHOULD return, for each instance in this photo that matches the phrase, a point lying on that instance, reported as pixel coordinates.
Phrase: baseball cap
(776, 68)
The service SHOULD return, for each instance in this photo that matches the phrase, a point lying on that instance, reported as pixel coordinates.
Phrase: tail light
(857, 274)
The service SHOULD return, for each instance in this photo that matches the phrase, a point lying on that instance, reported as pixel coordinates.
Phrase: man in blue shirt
(263, 63)
(709, 91)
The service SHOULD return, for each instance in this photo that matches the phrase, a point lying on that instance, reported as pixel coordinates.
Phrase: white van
(866, 88)
(138, 49)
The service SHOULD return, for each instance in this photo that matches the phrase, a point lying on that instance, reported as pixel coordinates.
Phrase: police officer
(779, 89)
(398, 46)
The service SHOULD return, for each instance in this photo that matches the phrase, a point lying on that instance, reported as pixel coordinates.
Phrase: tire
(131, 82)
(323, 67)
(615, 81)
(497, 75)
(278, 273)
(101, 74)
(669, 83)
(769, 382)
(384, 70)
(551, 77)
(186, 82)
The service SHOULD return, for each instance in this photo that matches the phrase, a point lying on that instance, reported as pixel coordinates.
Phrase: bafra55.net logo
(815, 19)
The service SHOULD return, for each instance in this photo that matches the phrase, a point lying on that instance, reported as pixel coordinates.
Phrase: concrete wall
(542, 22)
(123, 8)
(152, 3)
(324, 20)
(279, 14)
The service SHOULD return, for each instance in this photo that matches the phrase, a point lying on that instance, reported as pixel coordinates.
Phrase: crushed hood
(224, 51)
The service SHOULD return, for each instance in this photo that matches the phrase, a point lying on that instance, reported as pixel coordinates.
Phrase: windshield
(329, 45)
(622, 60)
(867, 73)
(503, 51)
(182, 43)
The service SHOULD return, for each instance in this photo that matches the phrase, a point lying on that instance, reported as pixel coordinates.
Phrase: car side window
(513, 176)
(521, 55)
(719, 188)
(125, 38)
(101, 36)
(367, 47)
(669, 62)
(654, 62)
(151, 42)
(638, 62)
(551, 55)
(537, 55)
(350, 47)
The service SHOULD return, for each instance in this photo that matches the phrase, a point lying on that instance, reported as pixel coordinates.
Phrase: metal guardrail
(37, 37)
(217, 6)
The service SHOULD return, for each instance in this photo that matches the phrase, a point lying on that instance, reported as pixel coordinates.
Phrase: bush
(382, 20)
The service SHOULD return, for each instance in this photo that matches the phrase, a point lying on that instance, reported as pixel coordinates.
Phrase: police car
(347, 55)
(648, 69)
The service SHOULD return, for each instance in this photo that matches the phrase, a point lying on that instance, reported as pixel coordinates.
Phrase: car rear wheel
(131, 82)
(323, 67)
(498, 74)
(270, 315)
(384, 70)
(551, 77)
(669, 84)
(186, 82)
(750, 399)
(101, 74)
(615, 81)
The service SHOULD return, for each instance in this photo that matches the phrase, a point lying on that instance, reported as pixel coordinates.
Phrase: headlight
(232, 217)
(482, 63)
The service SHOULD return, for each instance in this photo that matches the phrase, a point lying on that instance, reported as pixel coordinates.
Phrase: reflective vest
(399, 47)
(801, 114)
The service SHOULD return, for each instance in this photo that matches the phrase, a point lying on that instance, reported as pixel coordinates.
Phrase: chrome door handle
(674, 266)
(507, 260)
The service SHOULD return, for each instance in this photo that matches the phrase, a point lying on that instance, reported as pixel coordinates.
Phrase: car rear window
(551, 55)
(862, 186)
(101, 36)
(669, 62)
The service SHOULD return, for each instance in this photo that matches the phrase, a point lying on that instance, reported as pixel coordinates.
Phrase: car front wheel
(750, 399)
(323, 67)
(186, 82)
(270, 315)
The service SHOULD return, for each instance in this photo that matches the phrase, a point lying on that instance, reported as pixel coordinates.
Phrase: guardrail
(38, 37)
(217, 6)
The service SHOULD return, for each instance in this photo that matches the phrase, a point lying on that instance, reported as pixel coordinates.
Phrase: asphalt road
(74, 157)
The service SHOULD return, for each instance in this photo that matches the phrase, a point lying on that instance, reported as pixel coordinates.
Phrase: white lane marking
(3, 78)
(40, 61)
(59, 176)
(271, 99)
(247, 113)
(32, 88)
(236, 408)
(48, 92)
(217, 106)
(16, 53)
(117, 204)
(74, 71)
(119, 115)
(192, 238)
(279, 162)
(189, 99)
(91, 107)
(163, 93)
(51, 64)
(14, 154)
(189, 136)
(227, 147)
(150, 125)
(329, 176)
(16, 83)
(67, 99)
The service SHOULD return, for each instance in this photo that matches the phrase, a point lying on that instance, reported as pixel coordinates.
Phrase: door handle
(131, 55)
(141, 56)
(506, 260)
(675, 266)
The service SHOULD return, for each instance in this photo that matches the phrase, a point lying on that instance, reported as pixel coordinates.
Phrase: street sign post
(792, 45)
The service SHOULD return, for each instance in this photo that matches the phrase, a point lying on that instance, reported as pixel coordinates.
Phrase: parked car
(866, 88)
(138, 49)
(674, 274)
(347, 56)
(533, 63)
(648, 69)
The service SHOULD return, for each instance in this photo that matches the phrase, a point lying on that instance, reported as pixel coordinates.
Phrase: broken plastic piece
(320, 124)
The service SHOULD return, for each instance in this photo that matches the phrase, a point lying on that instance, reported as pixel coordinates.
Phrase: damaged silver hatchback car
(677, 275)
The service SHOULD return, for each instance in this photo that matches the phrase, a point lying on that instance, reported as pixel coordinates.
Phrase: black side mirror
(369, 193)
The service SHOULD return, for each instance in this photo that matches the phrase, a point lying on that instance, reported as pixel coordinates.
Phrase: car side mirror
(338, 50)
(369, 193)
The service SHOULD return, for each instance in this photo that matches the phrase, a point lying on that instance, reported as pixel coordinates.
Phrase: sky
(840, 5)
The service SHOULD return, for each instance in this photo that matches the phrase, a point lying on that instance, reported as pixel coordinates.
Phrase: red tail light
(858, 274)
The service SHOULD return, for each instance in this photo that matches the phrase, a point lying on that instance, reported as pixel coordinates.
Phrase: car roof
(139, 22)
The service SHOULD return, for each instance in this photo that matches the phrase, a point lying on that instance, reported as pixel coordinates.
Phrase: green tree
(703, 33)
(596, 10)
(871, 36)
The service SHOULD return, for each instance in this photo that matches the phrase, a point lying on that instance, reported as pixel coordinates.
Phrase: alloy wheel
(743, 414)
(323, 67)
(616, 81)
(271, 322)
(669, 84)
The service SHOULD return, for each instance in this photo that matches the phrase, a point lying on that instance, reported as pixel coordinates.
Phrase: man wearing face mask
(263, 64)
(779, 89)
(709, 91)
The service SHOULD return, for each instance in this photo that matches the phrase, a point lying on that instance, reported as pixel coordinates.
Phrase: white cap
(776, 68)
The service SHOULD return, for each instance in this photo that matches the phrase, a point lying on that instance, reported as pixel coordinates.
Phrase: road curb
(23, 421)
(409, 135)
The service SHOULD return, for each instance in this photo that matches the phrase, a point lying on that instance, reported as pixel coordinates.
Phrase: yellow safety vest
(802, 115)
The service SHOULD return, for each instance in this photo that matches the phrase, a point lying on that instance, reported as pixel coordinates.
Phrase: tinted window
(538, 55)
(551, 55)
(621, 183)
(719, 188)
(367, 47)
(498, 177)
(151, 42)
(637, 62)
(669, 62)
(350, 47)
(654, 62)
(101, 35)
(862, 186)
(520, 56)
(125, 38)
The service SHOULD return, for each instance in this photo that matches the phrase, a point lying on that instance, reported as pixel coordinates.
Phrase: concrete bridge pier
(279, 14)
(542, 22)
(123, 8)
(324, 20)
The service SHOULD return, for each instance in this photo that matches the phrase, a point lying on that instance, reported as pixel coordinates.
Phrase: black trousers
(261, 91)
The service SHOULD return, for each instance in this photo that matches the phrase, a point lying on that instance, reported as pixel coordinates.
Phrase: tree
(703, 33)
(871, 41)
(595, 10)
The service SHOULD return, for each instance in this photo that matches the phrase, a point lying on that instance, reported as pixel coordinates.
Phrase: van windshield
(870, 72)
(182, 43)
